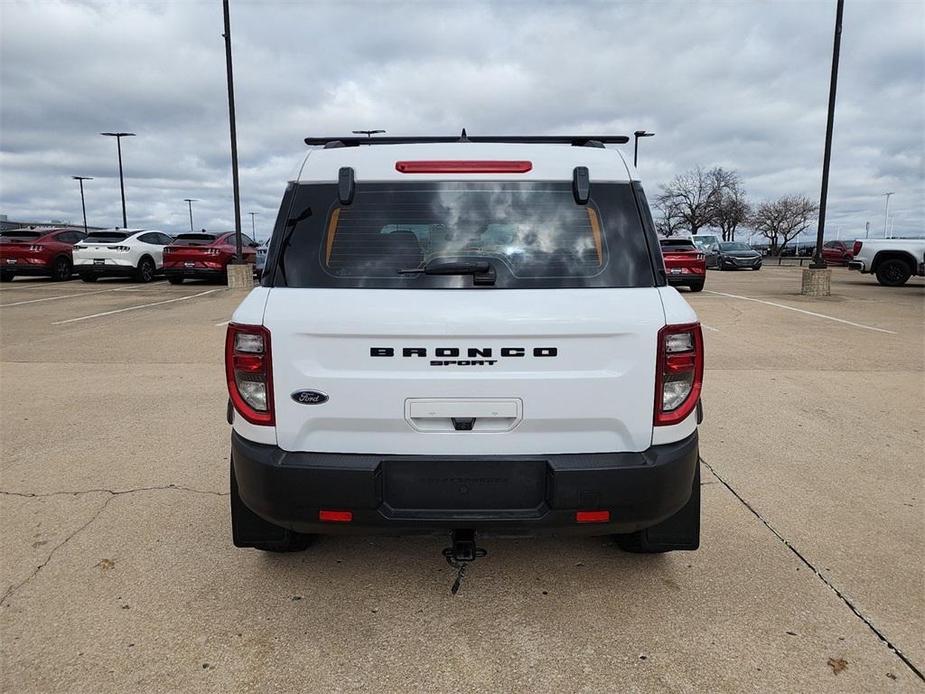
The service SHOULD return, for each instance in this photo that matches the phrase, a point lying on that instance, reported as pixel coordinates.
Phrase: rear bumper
(532, 494)
(195, 273)
(856, 265)
(685, 280)
(105, 270)
(39, 268)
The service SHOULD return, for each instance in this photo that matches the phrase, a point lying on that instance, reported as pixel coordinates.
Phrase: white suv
(465, 334)
(137, 253)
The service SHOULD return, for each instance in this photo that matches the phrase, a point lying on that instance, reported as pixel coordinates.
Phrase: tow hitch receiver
(463, 548)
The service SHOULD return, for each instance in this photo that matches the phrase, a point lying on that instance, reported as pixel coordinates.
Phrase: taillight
(35, 249)
(122, 249)
(214, 251)
(249, 372)
(857, 248)
(679, 372)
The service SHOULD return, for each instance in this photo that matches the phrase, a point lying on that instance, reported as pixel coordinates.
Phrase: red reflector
(335, 516)
(592, 516)
(463, 166)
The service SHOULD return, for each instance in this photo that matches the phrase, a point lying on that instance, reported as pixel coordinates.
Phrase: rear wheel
(175, 280)
(250, 530)
(61, 270)
(698, 287)
(7, 276)
(893, 272)
(679, 532)
(145, 271)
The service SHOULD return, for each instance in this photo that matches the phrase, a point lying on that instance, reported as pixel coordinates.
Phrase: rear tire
(7, 276)
(893, 272)
(679, 532)
(250, 530)
(697, 287)
(145, 271)
(175, 280)
(62, 270)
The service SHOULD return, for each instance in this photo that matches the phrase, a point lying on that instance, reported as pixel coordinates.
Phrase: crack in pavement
(4, 601)
(113, 493)
(851, 606)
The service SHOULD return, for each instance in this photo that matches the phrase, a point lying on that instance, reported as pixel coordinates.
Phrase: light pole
(368, 133)
(637, 135)
(190, 201)
(818, 261)
(886, 212)
(81, 179)
(239, 254)
(119, 137)
(253, 226)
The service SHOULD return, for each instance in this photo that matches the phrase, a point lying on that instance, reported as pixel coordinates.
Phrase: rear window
(735, 246)
(106, 236)
(677, 244)
(14, 235)
(533, 235)
(194, 240)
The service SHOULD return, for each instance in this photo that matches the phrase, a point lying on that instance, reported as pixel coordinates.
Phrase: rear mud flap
(679, 532)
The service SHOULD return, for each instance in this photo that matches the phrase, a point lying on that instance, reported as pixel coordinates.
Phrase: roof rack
(574, 140)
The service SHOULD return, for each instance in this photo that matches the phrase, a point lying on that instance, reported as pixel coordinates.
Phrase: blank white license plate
(675, 271)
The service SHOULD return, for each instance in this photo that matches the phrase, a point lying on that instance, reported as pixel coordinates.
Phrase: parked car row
(141, 254)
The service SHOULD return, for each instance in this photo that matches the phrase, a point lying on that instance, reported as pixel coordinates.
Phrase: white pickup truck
(893, 261)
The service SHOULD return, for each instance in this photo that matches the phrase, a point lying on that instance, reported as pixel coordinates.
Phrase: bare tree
(691, 197)
(670, 221)
(732, 208)
(781, 220)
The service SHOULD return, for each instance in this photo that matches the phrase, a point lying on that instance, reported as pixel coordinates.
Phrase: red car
(685, 264)
(38, 252)
(204, 256)
(838, 252)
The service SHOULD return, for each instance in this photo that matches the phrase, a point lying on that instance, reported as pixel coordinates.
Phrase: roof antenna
(463, 137)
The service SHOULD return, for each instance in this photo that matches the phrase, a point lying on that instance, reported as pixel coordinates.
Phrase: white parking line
(71, 296)
(709, 327)
(224, 322)
(134, 308)
(800, 310)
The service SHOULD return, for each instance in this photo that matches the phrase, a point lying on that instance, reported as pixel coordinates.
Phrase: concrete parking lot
(118, 572)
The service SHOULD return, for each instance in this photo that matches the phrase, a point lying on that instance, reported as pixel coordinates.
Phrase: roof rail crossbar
(574, 140)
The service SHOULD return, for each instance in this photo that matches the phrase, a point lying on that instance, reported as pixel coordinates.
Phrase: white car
(137, 253)
(893, 261)
(465, 335)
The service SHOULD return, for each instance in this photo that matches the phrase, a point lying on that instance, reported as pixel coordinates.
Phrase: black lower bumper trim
(405, 494)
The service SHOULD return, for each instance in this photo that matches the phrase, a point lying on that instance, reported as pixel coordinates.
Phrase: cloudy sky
(743, 85)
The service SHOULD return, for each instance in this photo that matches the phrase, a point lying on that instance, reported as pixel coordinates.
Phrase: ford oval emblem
(309, 397)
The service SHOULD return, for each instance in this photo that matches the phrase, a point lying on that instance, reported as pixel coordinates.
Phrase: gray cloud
(742, 85)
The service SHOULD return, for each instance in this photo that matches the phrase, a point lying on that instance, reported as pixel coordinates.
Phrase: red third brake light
(679, 372)
(463, 166)
(857, 248)
(249, 372)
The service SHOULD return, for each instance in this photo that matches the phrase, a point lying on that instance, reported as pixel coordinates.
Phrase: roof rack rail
(574, 140)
